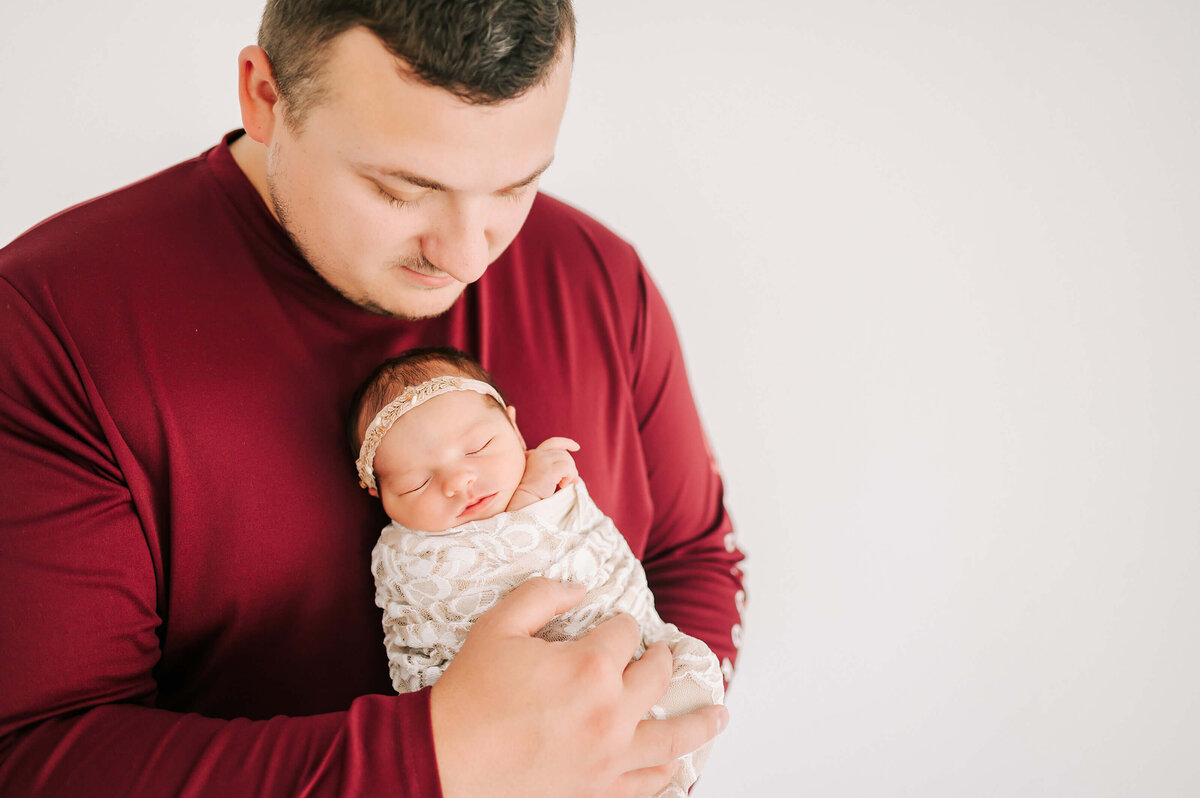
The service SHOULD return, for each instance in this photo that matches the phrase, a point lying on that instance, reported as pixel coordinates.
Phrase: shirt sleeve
(80, 616)
(691, 558)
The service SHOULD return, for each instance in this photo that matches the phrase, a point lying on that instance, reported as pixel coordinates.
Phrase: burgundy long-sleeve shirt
(186, 605)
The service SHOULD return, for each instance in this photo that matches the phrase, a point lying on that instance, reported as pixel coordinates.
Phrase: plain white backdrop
(936, 268)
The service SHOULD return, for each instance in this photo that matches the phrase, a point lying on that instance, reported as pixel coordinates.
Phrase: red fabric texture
(186, 605)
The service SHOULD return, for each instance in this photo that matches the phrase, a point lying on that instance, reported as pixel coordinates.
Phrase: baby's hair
(409, 368)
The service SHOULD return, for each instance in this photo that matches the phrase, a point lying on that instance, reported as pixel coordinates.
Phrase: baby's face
(453, 459)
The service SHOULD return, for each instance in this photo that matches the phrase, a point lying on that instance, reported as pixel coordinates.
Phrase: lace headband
(412, 396)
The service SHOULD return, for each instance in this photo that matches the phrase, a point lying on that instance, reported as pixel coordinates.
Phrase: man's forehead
(377, 115)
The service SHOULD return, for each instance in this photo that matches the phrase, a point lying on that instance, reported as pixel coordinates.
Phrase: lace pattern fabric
(433, 586)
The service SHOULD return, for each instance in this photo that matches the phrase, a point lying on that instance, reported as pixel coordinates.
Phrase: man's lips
(478, 505)
(427, 280)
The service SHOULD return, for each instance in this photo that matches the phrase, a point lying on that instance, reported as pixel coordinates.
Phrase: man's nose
(458, 245)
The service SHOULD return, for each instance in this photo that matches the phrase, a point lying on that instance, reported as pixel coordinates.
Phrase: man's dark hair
(409, 368)
(483, 51)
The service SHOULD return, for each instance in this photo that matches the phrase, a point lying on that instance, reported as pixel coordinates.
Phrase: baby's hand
(548, 468)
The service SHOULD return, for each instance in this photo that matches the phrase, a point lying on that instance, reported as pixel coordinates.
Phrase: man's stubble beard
(418, 263)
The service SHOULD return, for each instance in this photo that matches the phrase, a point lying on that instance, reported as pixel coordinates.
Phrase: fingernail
(722, 720)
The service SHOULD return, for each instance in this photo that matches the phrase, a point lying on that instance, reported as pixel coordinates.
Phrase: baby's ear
(512, 417)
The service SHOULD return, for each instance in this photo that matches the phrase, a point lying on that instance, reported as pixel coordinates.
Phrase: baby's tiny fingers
(559, 443)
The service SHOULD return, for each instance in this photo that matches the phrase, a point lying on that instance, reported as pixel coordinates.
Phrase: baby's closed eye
(413, 489)
(482, 446)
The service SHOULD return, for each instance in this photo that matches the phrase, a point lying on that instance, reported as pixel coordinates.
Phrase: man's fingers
(616, 641)
(659, 741)
(532, 604)
(647, 781)
(647, 679)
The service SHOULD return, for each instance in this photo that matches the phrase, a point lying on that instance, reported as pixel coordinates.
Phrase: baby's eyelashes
(413, 490)
(484, 446)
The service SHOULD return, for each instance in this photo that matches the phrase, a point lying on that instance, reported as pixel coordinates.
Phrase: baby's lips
(471, 506)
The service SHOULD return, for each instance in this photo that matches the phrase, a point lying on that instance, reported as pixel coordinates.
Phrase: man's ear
(512, 418)
(257, 94)
(373, 492)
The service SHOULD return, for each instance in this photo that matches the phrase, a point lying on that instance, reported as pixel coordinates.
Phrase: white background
(936, 267)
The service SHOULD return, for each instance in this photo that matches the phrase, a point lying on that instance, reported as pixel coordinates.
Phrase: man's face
(399, 194)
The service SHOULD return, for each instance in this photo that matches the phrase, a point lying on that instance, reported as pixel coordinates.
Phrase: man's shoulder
(95, 235)
(555, 226)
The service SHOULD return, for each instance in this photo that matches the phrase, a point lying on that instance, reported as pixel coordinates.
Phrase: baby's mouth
(477, 505)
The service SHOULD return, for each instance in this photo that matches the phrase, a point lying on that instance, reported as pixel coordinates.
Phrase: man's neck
(251, 158)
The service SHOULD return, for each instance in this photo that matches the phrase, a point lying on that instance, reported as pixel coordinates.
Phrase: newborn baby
(474, 514)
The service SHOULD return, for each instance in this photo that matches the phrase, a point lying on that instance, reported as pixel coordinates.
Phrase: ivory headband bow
(413, 396)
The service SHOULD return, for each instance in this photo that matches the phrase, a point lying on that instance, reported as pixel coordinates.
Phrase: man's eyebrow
(433, 185)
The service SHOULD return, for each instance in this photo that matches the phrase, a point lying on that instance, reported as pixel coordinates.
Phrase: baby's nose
(458, 481)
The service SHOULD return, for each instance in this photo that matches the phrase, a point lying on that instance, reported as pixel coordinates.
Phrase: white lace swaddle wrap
(433, 586)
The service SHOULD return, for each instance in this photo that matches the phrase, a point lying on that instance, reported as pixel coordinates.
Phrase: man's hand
(515, 715)
(548, 468)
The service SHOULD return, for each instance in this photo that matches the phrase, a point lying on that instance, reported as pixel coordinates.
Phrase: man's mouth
(427, 280)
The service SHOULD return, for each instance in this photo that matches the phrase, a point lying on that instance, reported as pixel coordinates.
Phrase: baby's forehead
(454, 410)
(468, 401)
(446, 419)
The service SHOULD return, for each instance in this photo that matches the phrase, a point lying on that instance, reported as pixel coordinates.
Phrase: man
(183, 584)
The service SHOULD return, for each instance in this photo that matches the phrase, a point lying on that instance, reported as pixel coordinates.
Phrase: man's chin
(412, 306)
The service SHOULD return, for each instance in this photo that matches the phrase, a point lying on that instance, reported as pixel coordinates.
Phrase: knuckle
(593, 666)
(660, 665)
(606, 767)
(609, 743)
(626, 621)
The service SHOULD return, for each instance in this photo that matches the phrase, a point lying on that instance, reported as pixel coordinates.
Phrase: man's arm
(691, 557)
(80, 617)
(81, 611)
